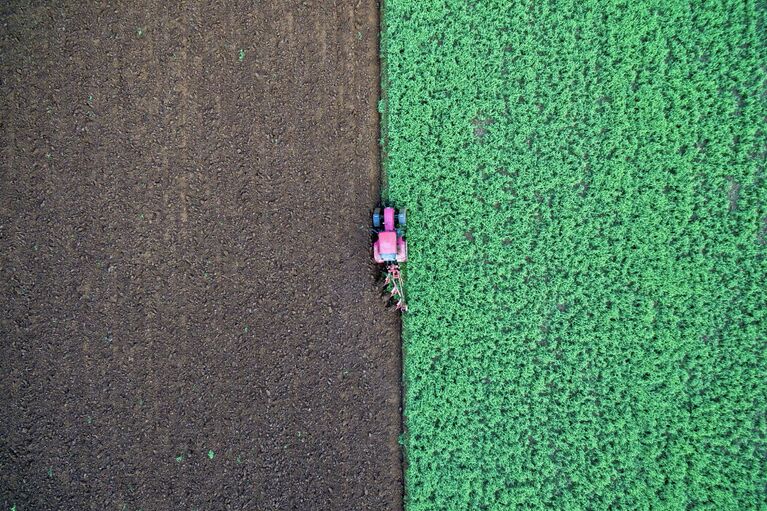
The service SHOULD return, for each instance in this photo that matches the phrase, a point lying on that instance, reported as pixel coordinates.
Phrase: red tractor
(390, 249)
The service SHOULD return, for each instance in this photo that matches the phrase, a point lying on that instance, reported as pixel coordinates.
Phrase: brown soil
(185, 261)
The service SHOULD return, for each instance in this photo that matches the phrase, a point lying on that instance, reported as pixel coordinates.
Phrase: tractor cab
(385, 249)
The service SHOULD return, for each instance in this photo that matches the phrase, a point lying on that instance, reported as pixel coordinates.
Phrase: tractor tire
(402, 216)
(377, 218)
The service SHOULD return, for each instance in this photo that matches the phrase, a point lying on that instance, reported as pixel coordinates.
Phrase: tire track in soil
(159, 299)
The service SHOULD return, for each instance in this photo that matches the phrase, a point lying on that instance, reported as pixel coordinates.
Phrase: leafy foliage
(588, 230)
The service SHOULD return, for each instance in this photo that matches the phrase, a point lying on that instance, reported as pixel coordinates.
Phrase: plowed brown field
(189, 315)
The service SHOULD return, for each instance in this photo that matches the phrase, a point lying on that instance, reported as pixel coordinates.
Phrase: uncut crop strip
(588, 232)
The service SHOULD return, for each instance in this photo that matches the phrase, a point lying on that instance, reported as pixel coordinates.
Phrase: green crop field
(586, 191)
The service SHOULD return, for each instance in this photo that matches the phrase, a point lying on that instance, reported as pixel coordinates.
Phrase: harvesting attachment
(390, 249)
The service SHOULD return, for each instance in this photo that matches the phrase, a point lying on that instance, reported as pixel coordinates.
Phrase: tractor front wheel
(402, 217)
(377, 218)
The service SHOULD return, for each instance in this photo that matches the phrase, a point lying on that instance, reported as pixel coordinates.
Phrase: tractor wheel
(401, 217)
(377, 218)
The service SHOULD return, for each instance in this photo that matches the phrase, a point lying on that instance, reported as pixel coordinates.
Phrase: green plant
(586, 189)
